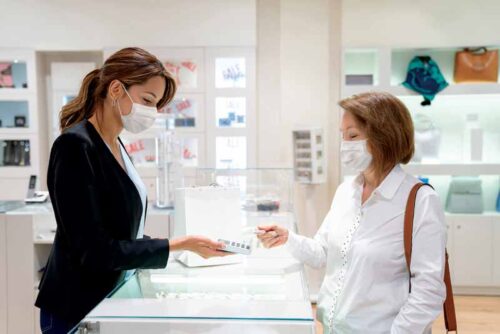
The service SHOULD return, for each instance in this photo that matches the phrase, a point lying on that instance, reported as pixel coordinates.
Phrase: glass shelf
(183, 111)
(143, 150)
(185, 72)
(231, 152)
(230, 112)
(445, 58)
(13, 74)
(15, 153)
(457, 129)
(230, 73)
(190, 151)
(14, 114)
(361, 67)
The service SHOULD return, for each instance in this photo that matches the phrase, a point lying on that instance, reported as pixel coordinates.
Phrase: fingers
(202, 241)
(276, 242)
(266, 233)
(267, 228)
(208, 253)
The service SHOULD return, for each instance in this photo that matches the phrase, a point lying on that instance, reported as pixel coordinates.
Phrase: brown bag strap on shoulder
(449, 305)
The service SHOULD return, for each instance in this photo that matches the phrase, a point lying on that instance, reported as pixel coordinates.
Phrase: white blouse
(365, 289)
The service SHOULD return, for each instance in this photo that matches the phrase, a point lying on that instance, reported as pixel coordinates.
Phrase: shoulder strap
(449, 305)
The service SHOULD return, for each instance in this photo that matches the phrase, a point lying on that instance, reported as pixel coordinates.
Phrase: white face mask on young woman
(140, 118)
(354, 155)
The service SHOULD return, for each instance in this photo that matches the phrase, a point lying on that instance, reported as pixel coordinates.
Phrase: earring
(114, 103)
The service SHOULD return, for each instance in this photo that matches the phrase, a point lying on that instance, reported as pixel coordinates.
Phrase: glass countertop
(252, 280)
(257, 290)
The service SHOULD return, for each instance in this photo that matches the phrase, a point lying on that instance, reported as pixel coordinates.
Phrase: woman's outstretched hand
(272, 236)
(200, 245)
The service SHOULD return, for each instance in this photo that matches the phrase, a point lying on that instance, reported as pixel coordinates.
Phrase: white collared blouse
(366, 285)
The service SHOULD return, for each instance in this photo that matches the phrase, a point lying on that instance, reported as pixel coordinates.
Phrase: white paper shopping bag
(213, 212)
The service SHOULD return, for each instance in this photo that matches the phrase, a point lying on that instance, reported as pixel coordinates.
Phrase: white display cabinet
(361, 67)
(309, 155)
(457, 135)
(26, 238)
(231, 108)
(213, 112)
(19, 142)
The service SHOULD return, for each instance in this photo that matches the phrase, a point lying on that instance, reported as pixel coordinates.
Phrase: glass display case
(265, 293)
(261, 189)
(259, 296)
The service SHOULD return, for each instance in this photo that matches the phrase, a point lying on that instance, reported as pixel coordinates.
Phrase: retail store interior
(251, 138)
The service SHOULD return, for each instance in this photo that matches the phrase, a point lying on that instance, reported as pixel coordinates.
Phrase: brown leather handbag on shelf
(450, 318)
(476, 65)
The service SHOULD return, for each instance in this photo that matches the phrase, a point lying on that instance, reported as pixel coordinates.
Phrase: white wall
(423, 23)
(94, 24)
(298, 84)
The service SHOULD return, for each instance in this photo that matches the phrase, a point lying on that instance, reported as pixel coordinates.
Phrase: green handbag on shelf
(465, 195)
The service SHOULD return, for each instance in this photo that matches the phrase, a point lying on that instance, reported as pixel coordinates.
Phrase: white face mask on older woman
(354, 155)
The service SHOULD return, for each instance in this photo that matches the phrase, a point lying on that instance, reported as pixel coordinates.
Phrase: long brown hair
(131, 66)
(388, 126)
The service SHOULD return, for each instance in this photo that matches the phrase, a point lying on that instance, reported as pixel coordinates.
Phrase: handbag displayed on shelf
(476, 65)
(425, 77)
(427, 138)
(450, 318)
(465, 195)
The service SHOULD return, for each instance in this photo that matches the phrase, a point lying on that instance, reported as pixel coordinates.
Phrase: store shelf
(473, 215)
(463, 89)
(458, 169)
(17, 132)
(465, 169)
(13, 94)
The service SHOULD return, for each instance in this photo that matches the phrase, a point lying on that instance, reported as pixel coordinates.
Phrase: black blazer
(98, 211)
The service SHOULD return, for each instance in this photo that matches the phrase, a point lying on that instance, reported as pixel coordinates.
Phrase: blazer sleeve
(78, 207)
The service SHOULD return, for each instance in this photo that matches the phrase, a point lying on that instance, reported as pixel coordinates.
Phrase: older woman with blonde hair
(365, 289)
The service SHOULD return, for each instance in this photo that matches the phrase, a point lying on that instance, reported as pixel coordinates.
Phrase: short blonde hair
(388, 126)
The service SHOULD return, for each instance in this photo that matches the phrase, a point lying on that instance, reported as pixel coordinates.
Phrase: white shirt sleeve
(312, 251)
(428, 290)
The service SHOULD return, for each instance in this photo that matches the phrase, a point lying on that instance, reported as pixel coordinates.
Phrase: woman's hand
(272, 236)
(202, 246)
